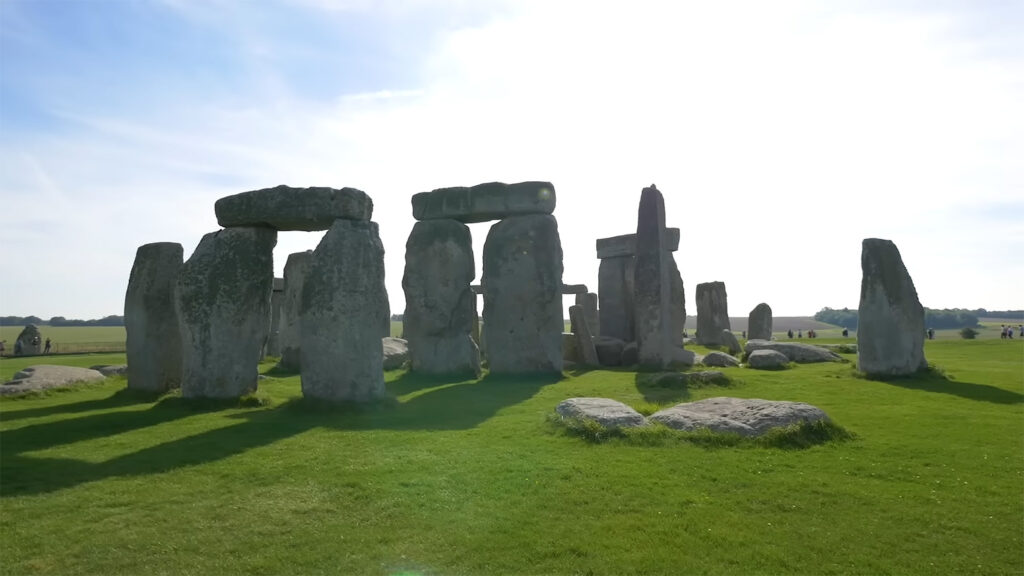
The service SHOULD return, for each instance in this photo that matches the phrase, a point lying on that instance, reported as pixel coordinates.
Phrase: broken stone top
(287, 208)
(483, 202)
(625, 245)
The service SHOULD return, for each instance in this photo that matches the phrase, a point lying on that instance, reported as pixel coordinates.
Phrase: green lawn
(471, 477)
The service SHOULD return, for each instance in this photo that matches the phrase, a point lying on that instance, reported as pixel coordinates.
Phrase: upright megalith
(223, 306)
(343, 300)
(522, 281)
(652, 283)
(29, 341)
(759, 323)
(289, 336)
(483, 202)
(615, 298)
(440, 308)
(712, 313)
(287, 208)
(581, 333)
(677, 302)
(890, 325)
(153, 343)
(273, 347)
(588, 302)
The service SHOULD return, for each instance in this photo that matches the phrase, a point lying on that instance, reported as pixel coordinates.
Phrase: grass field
(472, 477)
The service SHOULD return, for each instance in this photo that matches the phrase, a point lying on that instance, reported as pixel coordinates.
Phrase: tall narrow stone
(343, 300)
(581, 333)
(273, 347)
(615, 298)
(588, 302)
(223, 305)
(154, 341)
(890, 326)
(677, 297)
(712, 313)
(759, 323)
(652, 283)
(295, 270)
(522, 283)
(440, 308)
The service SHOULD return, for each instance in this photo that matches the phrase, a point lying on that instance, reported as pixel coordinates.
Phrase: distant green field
(71, 339)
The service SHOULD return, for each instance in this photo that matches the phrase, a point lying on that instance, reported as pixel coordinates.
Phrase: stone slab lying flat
(720, 359)
(795, 351)
(287, 208)
(625, 245)
(45, 376)
(605, 411)
(483, 202)
(744, 416)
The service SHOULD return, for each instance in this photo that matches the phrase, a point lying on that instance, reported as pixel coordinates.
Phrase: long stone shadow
(454, 407)
(936, 382)
(121, 398)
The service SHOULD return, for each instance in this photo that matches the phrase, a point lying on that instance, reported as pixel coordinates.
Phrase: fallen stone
(396, 352)
(153, 335)
(720, 359)
(287, 208)
(608, 413)
(744, 416)
(609, 350)
(111, 369)
(767, 360)
(730, 342)
(796, 351)
(759, 323)
(625, 245)
(891, 330)
(45, 376)
(483, 202)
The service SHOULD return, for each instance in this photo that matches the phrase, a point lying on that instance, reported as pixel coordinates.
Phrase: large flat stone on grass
(796, 351)
(287, 208)
(45, 376)
(605, 411)
(483, 202)
(744, 416)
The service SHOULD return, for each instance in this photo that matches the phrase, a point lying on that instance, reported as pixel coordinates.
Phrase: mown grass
(470, 477)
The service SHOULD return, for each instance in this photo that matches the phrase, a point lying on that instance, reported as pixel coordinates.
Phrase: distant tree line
(60, 321)
(938, 319)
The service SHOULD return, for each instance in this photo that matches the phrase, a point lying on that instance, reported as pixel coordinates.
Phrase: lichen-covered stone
(153, 337)
(890, 330)
(608, 413)
(796, 351)
(652, 285)
(287, 208)
(767, 360)
(720, 359)
(483, 202)
(759, 323)
(712, 313)
(744, 416)
(289, 335)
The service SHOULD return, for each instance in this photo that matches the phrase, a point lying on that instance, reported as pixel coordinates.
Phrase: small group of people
(810, 333)
(19, 346)
(1006, 331)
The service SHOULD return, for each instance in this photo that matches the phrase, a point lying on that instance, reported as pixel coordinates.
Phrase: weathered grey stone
(730, 342)
(652, 287)
(396, 352)
(720, 359)
(796, 351)
(767, 359)
(483, 202)
(45, 376)
(712, 313)
(440, 308)
(522, 279)
(677, 302)
(574, 289)
(570, 349)
(615, 296)
(29, 341)
(625, 245)
(584, 341)
(682, 357)
(223, 307)
(153, 337)
(111, 369)
(890, 330)
(476, 289)
(759, 323)
(630, 355)
(609, 350)
(342, 302)
(606, 412)
(744, 416)
(588, 302)
(296, 268)
(273, 347)
(287, 208)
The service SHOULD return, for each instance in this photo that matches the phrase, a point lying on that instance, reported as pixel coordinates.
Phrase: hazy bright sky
(781, 133)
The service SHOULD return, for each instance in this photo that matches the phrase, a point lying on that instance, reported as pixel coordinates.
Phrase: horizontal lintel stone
(483, 202)
(287, 208)
(625, 245)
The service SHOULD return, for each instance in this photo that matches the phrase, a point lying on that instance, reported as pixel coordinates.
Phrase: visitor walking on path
(46, 350)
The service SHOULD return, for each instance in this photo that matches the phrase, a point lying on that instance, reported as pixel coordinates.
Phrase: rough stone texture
(483, 202)
(273, 347)
(609, 350)
(296, 268)
(31, 341)
(630, 354)
(615, 298)
(712, 313)
(45, 376)
(767, 360)
(606, 412)
(625, 245)
(759, 323)
(584, 341)
(588, 302)
(652, 286)
(720, 359)
(570, 349)
(153, 337)
(744, 416)
(396, 352)
(682, 357)
(440, 307)
(574, 289)
(677, 302)
(796, 351)
(342, 302)
(730, 342)
(891, 330)
(522, 279)
(287, 208)
(111, 369)
(223, 306)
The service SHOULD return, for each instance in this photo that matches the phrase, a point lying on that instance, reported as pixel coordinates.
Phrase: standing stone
(890, 326)
(522, 283)
(588, 302)
(153, 343)
(273, 347)
(615, 297)
(223, 302)
(759, 323)
(712, 313)
(677, 297)
(652, 283)
(29, 341)
(440, 308)
(730, 342)
(343, 300)
(296, 268)
(584, 341)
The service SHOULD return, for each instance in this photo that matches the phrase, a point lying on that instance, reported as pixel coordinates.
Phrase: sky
(781, 133)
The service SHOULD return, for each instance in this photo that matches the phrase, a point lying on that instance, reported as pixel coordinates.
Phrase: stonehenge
(153, 345)
(759, 323)
(273, 347)
(285, 208)
(652, 284)
(295, 270)
(712, 313)
(484, 202)
(891, 330)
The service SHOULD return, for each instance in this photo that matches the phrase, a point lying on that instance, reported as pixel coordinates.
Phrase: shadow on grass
(934, 380)
(675, 387)
(454, 406)
(123, 397)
